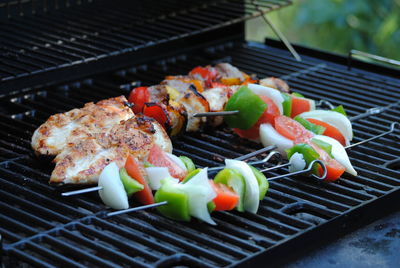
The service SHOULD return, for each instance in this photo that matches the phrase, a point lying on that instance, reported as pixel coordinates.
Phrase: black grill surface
(41, 228)
(41, 36)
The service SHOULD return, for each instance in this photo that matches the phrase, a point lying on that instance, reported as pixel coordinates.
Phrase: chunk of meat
(82, 161)
(276, 83)
(227, 70)
(192, 101)
(60, 129)
(217, 98)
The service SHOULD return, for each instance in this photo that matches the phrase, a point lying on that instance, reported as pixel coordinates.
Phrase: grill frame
(79, 42)
(264, 247)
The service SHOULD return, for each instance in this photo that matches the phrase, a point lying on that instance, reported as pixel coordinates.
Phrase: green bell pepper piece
(236, 181)
(130, 184)
(310, 126)
(340, 109)
(263, 183)
(148, 164)
(191, 175)
(324, 146)
(188, 163)
(211, 206)
(287, 104)
(296, 94)
(308, 152)
(178, 201)
(249, 105)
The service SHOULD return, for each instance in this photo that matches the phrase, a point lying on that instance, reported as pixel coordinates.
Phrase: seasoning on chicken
(82, 160)
(60, 129)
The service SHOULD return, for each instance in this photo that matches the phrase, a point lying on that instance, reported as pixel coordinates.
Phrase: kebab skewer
(173, 197)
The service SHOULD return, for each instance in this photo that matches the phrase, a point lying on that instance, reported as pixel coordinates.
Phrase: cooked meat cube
(276, 83)
(227, 70)
(192, 100)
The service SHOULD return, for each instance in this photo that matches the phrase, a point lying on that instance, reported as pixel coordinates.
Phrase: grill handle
(369, 56)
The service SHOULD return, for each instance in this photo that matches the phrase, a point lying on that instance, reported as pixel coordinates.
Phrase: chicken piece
(192, 100)
(82, 161)
(60, 129)
(227, 70)
(217, 98)
(158, 93)
(276, 83)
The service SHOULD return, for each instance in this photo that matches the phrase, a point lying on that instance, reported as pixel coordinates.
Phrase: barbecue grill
(58, 55)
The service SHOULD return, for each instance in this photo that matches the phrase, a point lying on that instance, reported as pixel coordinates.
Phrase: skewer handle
(392, 129)
(82, 191)
(310, 167)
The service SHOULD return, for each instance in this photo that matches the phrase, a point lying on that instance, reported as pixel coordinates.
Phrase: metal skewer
(223, 113)
(250, 155)
(136, 208)
(243, 157)
(308, 169)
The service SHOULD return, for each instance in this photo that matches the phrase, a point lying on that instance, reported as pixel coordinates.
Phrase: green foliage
(340, 25)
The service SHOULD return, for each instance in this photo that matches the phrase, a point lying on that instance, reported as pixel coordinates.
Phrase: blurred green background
(337, 25)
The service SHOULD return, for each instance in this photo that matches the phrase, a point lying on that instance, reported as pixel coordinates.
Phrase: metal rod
(266, 159)
(392, 129)
(136, 208)
(369, 55)
(82, 191)
(325, 103)
(308, 169)
(374, 110)
(250, 155)
(282, 38)
(224, 113)
(276, 167)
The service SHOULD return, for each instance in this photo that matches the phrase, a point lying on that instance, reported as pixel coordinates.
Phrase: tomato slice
(226, 198)
(334, 168)
(139, 96)
(268, 116)
(136, 171)
(299, 105)
(155, 111)
(159, 158)
(292, 129)
(330, 130)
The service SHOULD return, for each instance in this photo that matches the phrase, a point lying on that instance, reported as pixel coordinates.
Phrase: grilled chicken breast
(85, 140)
(82, 161)
(60, 129)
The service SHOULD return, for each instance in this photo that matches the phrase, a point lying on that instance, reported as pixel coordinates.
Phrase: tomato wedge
(226, 198)
(292, 129)
(136, 171)
(299, 105)
(159, 158)
(139, 96)
(268, 116)
(330, 130)
(155, 111)
(333, 167)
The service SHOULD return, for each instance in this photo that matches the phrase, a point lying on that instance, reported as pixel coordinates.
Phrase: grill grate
(87, 31)
(41, 228)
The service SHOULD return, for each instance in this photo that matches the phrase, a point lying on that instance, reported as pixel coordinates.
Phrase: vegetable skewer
(308, 169)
